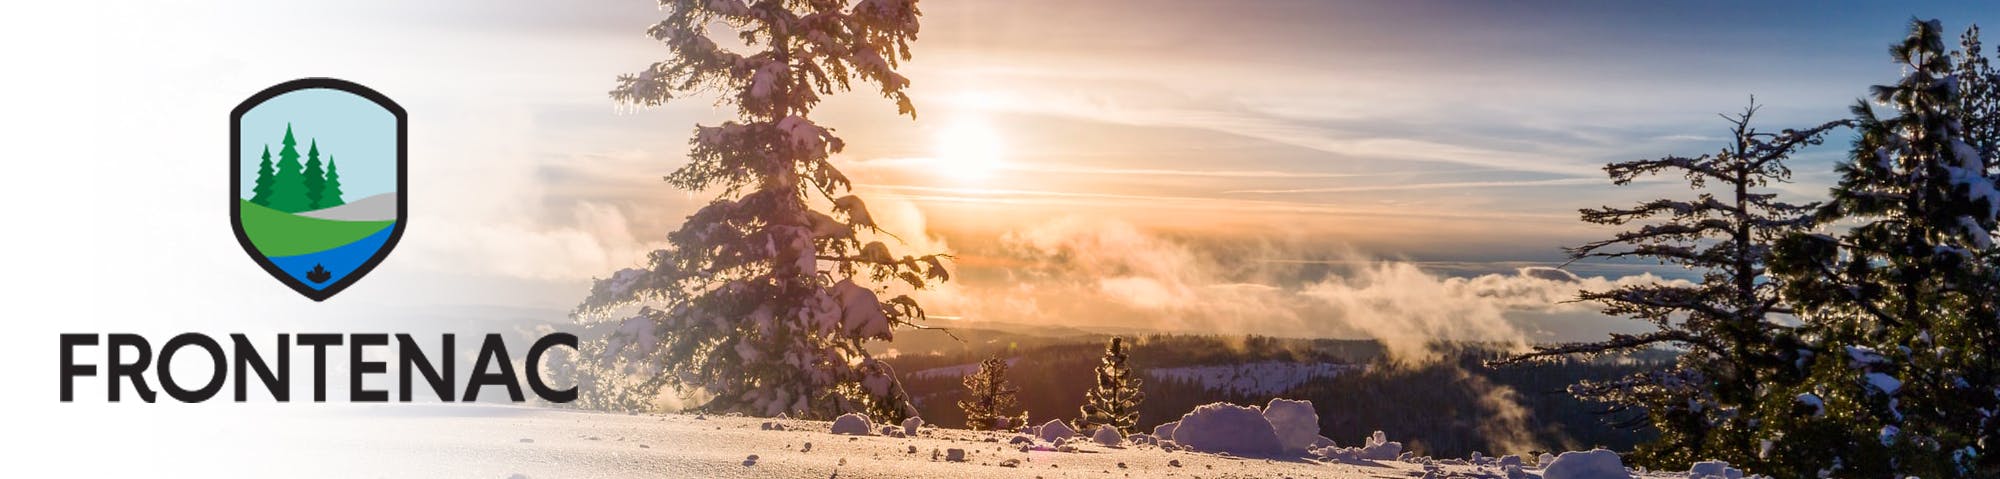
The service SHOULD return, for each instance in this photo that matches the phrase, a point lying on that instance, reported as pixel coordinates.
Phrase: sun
(968, 149)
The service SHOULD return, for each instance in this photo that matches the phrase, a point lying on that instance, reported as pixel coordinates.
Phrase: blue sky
(351, 132)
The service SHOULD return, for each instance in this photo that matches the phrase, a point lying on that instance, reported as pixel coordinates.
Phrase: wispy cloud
(1074, 169)
(1087, 170)
(1201, 203)
(1109, 171)
(1370, 146)
(1431, 186)
(1688, 137)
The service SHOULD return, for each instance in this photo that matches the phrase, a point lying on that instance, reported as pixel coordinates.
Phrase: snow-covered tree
(1978, 95)
(1725, 323)
(990, 398)
(1114, 399)
(1900, 302)
(763, 299)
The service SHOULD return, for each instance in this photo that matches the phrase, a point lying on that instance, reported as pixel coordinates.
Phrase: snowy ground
(504, 442)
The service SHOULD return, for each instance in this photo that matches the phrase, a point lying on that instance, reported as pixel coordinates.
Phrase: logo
(317, 175)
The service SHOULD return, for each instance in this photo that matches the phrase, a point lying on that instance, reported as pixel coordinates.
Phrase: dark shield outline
(236, 180)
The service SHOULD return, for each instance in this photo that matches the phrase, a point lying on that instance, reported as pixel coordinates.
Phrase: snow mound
(1592, 464)
(1295, 422)
(1053, 430)
(852, 424)
(1108, 436)
(1714, 470)
(1224, 427)
(1165, 431)
(1378, 447)
(910, 425)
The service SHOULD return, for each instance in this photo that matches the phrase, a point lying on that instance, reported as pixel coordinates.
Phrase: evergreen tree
(1114, 401)
(288, 186)
(1978, 96)
(758, 300)
(261, 194)
(315, 177)
(1900, 305)
(1732, 346)
(330, 193)
(990, 398)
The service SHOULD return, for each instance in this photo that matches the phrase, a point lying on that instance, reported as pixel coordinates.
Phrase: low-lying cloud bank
(1109, 274)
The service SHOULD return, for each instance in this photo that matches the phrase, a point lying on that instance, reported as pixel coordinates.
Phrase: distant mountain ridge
(381, 207)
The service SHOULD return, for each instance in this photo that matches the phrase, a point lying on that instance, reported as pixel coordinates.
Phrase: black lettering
(118, 369)
(319, 342)
(535, 368)
(215, 378)
(248, 361)
(70, 370)
(413, 357)
(492, 348)
(359, 366)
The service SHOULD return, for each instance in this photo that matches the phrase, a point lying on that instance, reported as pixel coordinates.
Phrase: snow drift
(1378, 447)
(1295, 422)
(1053, 430)
(1591, 464)
(852, 424)
(1224, 427)
(1714, 470)
(1107, 436)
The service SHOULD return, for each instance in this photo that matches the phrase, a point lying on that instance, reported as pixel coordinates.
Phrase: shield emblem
(317, 181)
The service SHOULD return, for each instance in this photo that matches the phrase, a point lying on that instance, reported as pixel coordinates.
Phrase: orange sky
(1299, 167)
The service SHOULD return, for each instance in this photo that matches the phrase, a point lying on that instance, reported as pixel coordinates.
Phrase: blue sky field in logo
(355, 132)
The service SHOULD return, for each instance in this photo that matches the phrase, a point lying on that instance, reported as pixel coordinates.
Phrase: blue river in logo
(338, 262)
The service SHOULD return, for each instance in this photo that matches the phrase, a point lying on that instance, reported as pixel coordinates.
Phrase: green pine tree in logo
(288, 185)
(315, 177)
(330, 195)
(261, 195)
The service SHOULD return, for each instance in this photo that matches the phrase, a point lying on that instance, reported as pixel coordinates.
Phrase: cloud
(1076, 271)
(1177, 202)
(854, 164)
(1435, 186)
(1690, 137)
(1410, 309)
(1265, 126)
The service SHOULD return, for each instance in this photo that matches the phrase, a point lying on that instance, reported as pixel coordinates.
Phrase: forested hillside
(1447, 409)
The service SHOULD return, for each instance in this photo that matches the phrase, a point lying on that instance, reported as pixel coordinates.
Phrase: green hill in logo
(277, 233)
